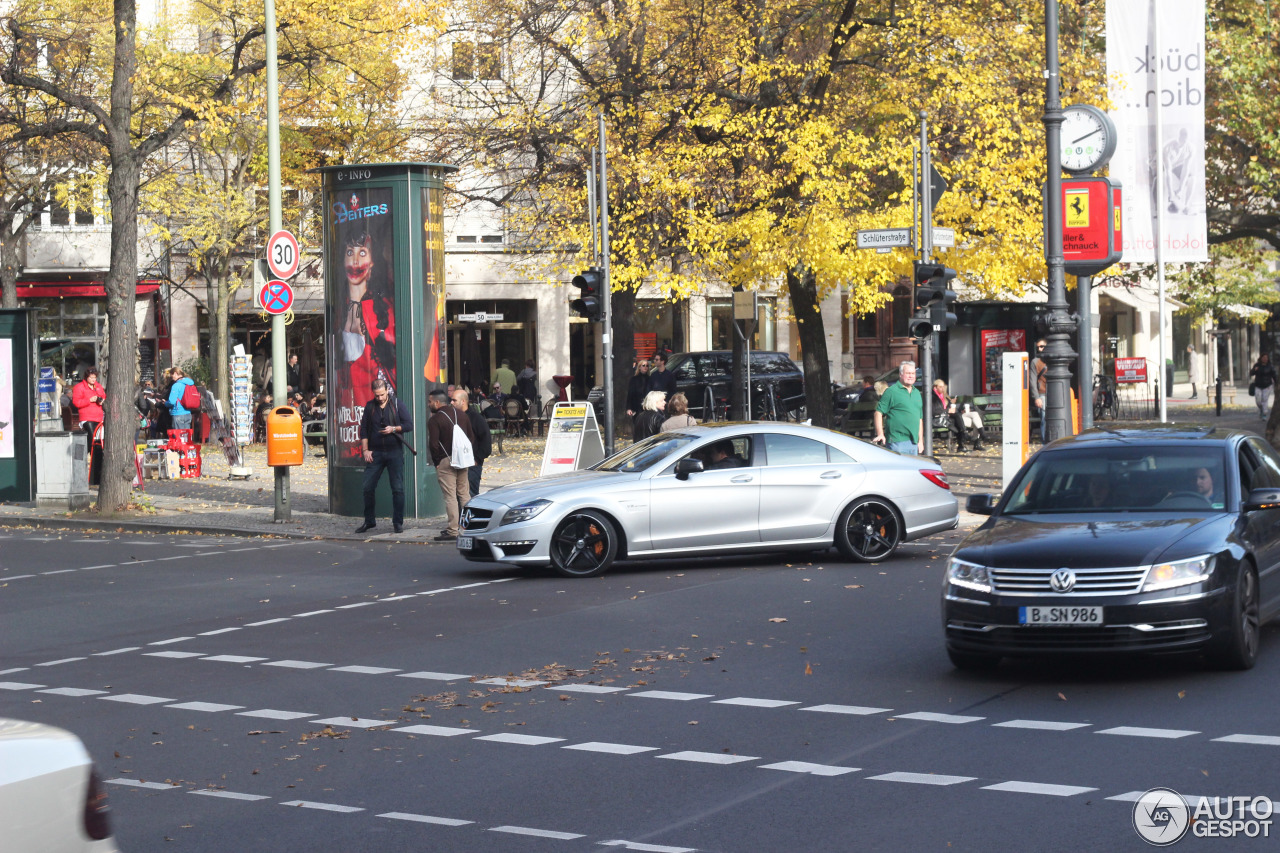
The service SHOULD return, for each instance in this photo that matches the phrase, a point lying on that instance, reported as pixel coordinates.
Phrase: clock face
(1088, 139)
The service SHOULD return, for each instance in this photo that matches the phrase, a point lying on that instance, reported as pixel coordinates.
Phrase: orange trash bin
(284, 437)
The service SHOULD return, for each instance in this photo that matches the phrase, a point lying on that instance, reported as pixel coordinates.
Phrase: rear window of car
(1128, 479)
(793, 450)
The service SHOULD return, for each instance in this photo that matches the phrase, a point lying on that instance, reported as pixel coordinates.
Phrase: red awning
(65, 289)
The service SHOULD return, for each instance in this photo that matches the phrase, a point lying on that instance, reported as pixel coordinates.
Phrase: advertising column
(17, 409)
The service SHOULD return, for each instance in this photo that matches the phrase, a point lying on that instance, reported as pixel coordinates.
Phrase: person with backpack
(451, 440)
(382, 427)
(184, 398)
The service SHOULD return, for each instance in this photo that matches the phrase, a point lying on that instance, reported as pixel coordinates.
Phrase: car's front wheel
(1238, 646)
(868, 531)
(584, 545)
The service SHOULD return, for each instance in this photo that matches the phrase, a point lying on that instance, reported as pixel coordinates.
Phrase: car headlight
(1178, 573)
(525, 511)
(968, 575)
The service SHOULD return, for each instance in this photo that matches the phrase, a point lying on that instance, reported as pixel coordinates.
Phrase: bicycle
(1105, 403)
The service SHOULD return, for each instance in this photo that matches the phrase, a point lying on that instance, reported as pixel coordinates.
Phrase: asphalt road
(269, 695)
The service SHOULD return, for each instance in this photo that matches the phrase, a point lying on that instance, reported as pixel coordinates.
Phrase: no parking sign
(276, 297)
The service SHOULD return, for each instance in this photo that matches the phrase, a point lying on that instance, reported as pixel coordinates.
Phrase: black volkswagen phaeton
(1142, 540)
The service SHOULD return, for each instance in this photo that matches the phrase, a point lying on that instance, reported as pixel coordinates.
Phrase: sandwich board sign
(573, 439)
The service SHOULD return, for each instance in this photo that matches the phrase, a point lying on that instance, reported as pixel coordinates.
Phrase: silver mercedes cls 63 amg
(714, 489)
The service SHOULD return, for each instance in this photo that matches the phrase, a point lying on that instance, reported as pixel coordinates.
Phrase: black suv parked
(777, 384)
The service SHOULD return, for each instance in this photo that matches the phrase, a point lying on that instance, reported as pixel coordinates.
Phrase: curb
(42, 522)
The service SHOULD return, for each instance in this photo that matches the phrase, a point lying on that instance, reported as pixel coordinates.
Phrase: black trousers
(392, 461)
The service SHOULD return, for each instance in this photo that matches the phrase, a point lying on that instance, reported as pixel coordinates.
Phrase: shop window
(720, 325)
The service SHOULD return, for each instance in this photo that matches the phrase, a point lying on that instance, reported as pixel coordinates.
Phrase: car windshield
(1129, 479)
(642, 454)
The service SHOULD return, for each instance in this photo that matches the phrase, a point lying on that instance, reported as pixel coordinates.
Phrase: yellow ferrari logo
(1076, 209)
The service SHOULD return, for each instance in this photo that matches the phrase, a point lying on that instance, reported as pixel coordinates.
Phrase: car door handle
(831, 475)
(742, 478)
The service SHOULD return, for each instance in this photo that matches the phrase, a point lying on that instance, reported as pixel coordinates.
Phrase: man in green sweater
(903, 407)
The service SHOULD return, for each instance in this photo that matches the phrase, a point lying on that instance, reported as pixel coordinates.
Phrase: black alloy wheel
(1238, 649)
(584, 545)
(869, 530)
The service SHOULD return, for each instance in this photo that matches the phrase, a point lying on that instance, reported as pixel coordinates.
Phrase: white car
(714, 489)
(51, 800)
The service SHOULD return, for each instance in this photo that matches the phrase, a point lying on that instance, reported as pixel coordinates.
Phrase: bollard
(1218, 392)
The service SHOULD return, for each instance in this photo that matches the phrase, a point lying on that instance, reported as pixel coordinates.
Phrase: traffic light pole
(606, 330)
(1060, 325)
(926, 250)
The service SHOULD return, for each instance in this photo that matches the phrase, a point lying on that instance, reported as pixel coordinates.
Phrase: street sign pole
(606, 331)
(926, 249)
(279, 382)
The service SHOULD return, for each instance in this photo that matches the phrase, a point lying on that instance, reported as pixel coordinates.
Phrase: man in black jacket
(384, 421)
(454, 486)
(660, 379)
(482, 447)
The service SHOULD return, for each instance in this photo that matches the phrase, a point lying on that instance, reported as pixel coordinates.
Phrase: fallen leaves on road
(1063, 698)
(327, 731)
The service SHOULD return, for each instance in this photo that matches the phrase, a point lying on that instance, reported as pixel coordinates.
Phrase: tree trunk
(8, 266)
(813, 345)
(121, 283)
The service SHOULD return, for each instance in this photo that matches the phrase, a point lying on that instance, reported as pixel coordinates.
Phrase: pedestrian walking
(382, 427)
(454, 486)
(1193, 370)
(504, 377)
(1262, 379)
(1040, 385)
(903, 408)
(482, 447)
(651, 419)
(660, 379)
(636, 389)
(678, 410)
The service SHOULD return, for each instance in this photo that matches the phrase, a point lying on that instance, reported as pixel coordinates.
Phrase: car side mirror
(984, 504)
(688, 466)
(1264, 498)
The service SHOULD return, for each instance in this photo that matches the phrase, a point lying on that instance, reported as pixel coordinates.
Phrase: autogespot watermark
(1162, 817)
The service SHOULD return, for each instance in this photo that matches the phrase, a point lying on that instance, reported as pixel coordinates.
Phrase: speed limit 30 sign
(282, 254)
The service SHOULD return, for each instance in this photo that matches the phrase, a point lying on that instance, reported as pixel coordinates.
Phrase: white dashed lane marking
(1259, 740)
(921, 778)
(806, 767)
(272, 714)
(586, 688)
(298, 664)
(754, 703)
(72, 691)
(610, 748)
(18, 685)
(709, 757)
(63, 660)
(537, 833)
(209, 707)
(116, 651)
(1039, 788)
(523, 740)
(857, 710)
(426, 818)
(234, 659)
(436, 731)
(667, 694)
(170, 640)
(930, 717)
(326, 807)
(1045, 725)
(138, 783)
(1138, 731)
(365, 670)
(230, 795)
(647, 848)
(436, 676)
(174, 655)
(136, 699)
(356, 723)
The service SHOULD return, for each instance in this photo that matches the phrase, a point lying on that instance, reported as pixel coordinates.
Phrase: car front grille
(1088, 581)
(475, 518)
(1024, 638)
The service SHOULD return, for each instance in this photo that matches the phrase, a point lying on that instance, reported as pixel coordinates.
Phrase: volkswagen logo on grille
(466, 521)
(1063, 580)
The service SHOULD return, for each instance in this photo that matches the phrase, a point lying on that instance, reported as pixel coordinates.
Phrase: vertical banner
(433, 297)
(363, 309)
(1132, 66)
(6, 399)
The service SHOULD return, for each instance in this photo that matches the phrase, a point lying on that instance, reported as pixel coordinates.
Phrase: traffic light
(590, 303)
(920, 326)
(933, 293)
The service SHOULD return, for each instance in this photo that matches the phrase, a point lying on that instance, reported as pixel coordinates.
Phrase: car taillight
(938, 478)
(97, 811)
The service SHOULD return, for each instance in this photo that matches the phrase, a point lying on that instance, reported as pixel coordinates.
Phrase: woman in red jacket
(88, 397)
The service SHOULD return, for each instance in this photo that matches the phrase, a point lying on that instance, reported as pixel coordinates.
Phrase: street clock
(1088, 139)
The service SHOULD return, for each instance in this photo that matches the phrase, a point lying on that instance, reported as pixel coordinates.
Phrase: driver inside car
(720, 455)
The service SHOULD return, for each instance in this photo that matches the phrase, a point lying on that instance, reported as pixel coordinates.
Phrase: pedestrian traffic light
(933, 293)
(590, 302)
(920, 326)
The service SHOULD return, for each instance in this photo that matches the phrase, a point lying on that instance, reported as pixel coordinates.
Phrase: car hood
(1031, 541)
(555, 485)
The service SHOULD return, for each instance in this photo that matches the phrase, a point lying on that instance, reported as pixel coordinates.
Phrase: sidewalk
(217, 505)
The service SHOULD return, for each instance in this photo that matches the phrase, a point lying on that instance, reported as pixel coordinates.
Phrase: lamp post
(1059, 324)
